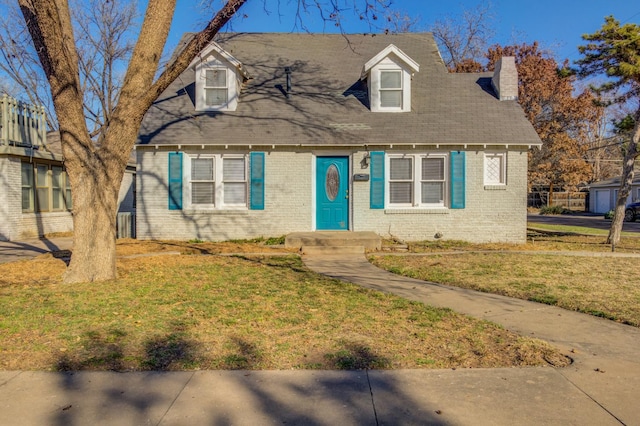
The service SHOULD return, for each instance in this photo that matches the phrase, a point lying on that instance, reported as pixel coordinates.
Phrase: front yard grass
(598, 285)
(188, 312)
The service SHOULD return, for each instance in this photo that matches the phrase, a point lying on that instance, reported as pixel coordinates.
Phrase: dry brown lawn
(186, 312)
(583, 279)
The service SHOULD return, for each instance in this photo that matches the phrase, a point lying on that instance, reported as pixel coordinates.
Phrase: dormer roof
(390, 50)
(214, 47)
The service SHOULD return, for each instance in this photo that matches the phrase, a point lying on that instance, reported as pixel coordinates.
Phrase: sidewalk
(10, 251)
(599, 388)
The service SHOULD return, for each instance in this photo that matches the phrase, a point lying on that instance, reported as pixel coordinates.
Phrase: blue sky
(557, 25)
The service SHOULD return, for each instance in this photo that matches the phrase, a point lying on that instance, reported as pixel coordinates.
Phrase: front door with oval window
(332, 193)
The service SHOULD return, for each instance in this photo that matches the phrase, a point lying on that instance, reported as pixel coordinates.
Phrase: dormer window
(388, 76)
(390, 89)
(215, 87)
(219, 78)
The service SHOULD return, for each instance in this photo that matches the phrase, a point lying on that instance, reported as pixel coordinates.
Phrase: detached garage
(603, 194)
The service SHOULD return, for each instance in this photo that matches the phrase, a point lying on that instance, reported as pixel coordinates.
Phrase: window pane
(401, 169)
(56, 200)
(202, 169)
(27, 174)
(42, 196)
(216, 97)
(56, 188)
(390, 79)
(41, 175)
(401, 192)
(27, 199)
(216, 78)
(432, 192)
(235, 193)
(233, 169)
(202, 193)
(42, 187)
(433, 169)
(391, 98)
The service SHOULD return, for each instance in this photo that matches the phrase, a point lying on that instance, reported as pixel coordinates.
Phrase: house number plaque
(332, 182)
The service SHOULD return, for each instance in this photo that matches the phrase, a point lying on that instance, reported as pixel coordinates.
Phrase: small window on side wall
(495, 166)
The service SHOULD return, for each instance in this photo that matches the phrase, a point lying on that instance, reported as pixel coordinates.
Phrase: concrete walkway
(599, 388)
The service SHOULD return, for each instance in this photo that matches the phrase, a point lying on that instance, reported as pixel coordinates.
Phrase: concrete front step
(365, 240)
(331, 250)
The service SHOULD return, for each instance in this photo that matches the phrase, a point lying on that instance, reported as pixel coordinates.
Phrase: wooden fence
(576, 201)
(21, 124)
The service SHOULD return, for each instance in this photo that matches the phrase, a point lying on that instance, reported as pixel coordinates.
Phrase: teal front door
(332, 193)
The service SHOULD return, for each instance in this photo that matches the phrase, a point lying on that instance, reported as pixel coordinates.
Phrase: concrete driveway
(588, 220)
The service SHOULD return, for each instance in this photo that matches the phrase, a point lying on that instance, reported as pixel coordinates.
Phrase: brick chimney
(505, 79)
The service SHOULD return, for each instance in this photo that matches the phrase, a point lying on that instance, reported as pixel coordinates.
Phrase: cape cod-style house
(268, 134)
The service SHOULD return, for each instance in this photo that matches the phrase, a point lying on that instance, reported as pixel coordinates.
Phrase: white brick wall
(16, 225)
(10, 198)
(490, 214)
(287, 176)
(39, 224)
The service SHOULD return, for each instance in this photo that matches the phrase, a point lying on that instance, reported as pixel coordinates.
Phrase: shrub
(609, 215)
(553, 210)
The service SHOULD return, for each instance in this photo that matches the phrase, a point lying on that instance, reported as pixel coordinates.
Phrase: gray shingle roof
(328, 105)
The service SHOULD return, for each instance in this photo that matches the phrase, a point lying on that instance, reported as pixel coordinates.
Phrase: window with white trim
(417, 180)
(234, 181)
(202, 181)
(433, 180)
(216, 88)
(45, 188)
(217, 181)
(495, 168)
(391, 89)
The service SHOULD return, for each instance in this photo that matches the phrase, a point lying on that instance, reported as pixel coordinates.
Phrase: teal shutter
(458, 165)
(377, 180)
(257, 181)
(175, 181)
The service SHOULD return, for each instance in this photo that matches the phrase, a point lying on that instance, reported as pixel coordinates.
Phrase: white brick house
(267, 134)
(35, 194)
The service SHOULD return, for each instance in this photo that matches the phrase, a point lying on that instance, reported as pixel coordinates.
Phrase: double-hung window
(391, 89)
(27, 187)
(401, 181)
(432, 181)
(203, 181)
(417, 180)
(234, 181)
(217, 181)
(216, 88)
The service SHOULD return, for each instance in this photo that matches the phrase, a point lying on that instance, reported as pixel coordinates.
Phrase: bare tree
(614, 51)
(24, 78)
(96, 170)
(104, 42)
(463, 40)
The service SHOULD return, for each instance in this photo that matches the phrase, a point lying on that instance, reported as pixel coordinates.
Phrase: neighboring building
(267, 134)
(35, 195)
(604, 194)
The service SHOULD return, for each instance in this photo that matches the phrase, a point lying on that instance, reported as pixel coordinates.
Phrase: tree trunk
(95, 204)
(625, 184)
(95, 172)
